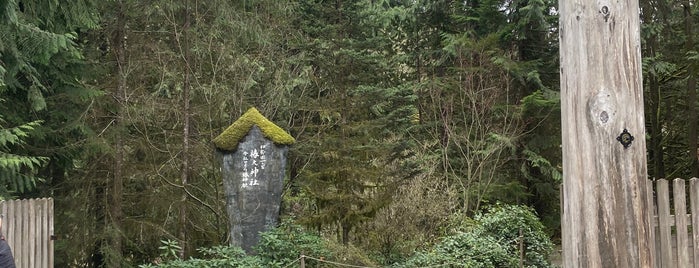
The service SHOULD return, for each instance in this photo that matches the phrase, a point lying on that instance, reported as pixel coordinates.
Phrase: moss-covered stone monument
(254, 164)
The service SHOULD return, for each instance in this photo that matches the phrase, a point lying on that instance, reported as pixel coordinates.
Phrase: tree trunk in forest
(184, 172)
(656, 135)
(346, 228)
(656, 138)
(691, 93)
(115, 208)
(99, 211)
(605, 218)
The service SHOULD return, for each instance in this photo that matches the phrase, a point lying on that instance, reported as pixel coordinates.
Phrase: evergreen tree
(359, 111)
(669, 72)
(41, 80)
(17, 172)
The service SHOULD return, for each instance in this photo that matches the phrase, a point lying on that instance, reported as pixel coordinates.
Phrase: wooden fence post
(664, 225)
(694, 207)
(678, 196)
(651, 225)
(605, 217)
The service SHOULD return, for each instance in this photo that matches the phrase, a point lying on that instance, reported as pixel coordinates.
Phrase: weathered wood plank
(694, 207)
(653, 221)
(663, 223)
(11, 218)
(26, 250)
(671, 221)
(32, 234)
(678, 194)
(8, 224)
(46, 235)
(40, 230)
(51, 233)
(605, 222)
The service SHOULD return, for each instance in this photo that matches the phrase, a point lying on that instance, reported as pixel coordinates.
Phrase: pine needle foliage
(42, 85)
(17, 172)
(32, 33)
(359, 113)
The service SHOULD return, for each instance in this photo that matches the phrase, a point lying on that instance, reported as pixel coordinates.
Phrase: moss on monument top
(229, 139)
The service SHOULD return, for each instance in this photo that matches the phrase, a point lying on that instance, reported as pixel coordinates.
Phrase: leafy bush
(491, 240)
(286, 243)
(216, 257)
(494, 241)
(465, 250)
(504, 222)
(278, 247)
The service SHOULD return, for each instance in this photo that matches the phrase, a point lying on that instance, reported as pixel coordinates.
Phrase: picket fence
(674, 240)
(28, 227)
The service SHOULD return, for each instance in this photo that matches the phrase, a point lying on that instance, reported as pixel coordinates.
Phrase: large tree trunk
(605, 217)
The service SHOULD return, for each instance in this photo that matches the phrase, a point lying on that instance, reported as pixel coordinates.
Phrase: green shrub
(494, 241)
(465, 250)
(215, 257)
(504, 222)
(286, 243)
(278, 247)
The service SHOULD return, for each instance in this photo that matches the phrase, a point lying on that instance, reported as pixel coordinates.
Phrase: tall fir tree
(42, 79)
(359, 110)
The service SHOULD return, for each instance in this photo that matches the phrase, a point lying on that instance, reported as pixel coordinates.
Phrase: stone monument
(254, 164)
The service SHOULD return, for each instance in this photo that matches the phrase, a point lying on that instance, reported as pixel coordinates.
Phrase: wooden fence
(28, 227)
(674, 243)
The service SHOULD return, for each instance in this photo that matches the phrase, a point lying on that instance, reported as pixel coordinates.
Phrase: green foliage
(17, 172)
(278, 247)
(353, 117)
(37, 34)
(215, 257)
(511, 225)
(493, 241)
(541, 168)
(169, 249)
(41, 71)
(284, 245)
(668, 38)
(42, 79)
(546, 168)
(465, 250)
(229, 139)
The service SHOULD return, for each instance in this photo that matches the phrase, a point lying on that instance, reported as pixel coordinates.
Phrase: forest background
(411, 116)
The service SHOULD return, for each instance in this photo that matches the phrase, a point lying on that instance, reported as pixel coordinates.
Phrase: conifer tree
(41, 81)
(17, 172)
(359, 112)
(669, 56)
